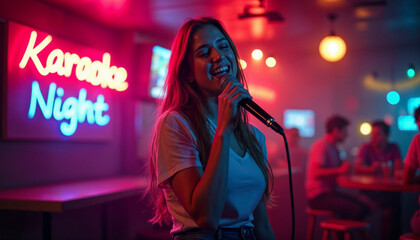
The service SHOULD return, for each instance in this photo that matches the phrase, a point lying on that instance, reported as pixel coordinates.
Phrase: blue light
(73, 110)
(411, 73)
(406, 123)
(393, 97)
(412, 104)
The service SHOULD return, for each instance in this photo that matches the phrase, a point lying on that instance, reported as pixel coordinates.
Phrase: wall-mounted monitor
(407, 123)
(153, 67)
(158, 71)
(304, 120)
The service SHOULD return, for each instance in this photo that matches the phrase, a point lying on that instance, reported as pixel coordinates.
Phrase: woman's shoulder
(171, 117)
(173, 120)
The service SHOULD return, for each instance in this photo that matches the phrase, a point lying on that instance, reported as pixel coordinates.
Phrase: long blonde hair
(185, 97)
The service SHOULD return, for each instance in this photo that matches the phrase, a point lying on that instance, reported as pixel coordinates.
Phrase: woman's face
(211, 59)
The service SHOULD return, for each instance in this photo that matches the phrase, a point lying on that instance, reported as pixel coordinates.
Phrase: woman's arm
(262, 226)
(203, 194)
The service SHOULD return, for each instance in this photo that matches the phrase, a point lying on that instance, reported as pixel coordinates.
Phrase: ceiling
(362, 23)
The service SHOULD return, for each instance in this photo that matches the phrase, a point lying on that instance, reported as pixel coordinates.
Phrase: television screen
(412, 104)
(304, 120)
(407, 123)
(158, 71)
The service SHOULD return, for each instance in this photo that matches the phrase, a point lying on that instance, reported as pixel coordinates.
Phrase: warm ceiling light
(365, 128)
(332, 48)
(257, 54)
(243, 63)
(270, 62)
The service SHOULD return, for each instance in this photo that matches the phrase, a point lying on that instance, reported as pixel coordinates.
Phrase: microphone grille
(225, 81)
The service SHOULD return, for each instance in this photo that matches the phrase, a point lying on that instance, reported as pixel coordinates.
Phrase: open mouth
(220, 71)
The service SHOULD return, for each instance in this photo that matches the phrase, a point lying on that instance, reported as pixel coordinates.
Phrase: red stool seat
(409, 236)
(343, 225)
(313, 213)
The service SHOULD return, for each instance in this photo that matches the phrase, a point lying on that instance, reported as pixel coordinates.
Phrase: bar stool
(342, 225)
(313, 213)
(409, 236)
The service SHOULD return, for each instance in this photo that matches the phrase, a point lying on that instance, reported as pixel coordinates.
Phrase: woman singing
(210, 175)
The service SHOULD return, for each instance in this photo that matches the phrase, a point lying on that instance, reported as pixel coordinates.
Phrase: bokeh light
(365, 128)
(393, 97)
(257, 54)
(270, 62)
(332, 48)
(411, 72)
(243, 63)
(389, 119)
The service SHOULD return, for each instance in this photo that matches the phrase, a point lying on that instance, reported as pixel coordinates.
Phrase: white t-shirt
(177, 150)
(413, 155)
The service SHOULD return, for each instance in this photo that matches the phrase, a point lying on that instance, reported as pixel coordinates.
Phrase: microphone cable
(292, 202)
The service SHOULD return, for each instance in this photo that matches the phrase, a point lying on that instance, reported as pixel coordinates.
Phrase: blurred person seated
(324, 166)
(381, 158)
(411, 165)
(378, 154)
(298, 154)
(412, 160)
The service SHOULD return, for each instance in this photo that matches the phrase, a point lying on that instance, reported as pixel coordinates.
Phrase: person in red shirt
(411, 164)
(381, 158)
(324, 166)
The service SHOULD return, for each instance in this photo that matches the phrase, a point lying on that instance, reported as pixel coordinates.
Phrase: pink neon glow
(262, 93)
(27, 63)
(95, 72)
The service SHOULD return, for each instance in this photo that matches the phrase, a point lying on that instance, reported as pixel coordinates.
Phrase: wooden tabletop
(375, 183)
(66, 196)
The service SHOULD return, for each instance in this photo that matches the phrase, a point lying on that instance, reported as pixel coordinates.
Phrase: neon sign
(74, 109)
(59, 90)
(96, 72)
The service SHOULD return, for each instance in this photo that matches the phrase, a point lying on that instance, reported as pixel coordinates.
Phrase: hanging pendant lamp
(332, 48)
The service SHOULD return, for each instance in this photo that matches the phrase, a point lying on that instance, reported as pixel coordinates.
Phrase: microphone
(253, 108)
